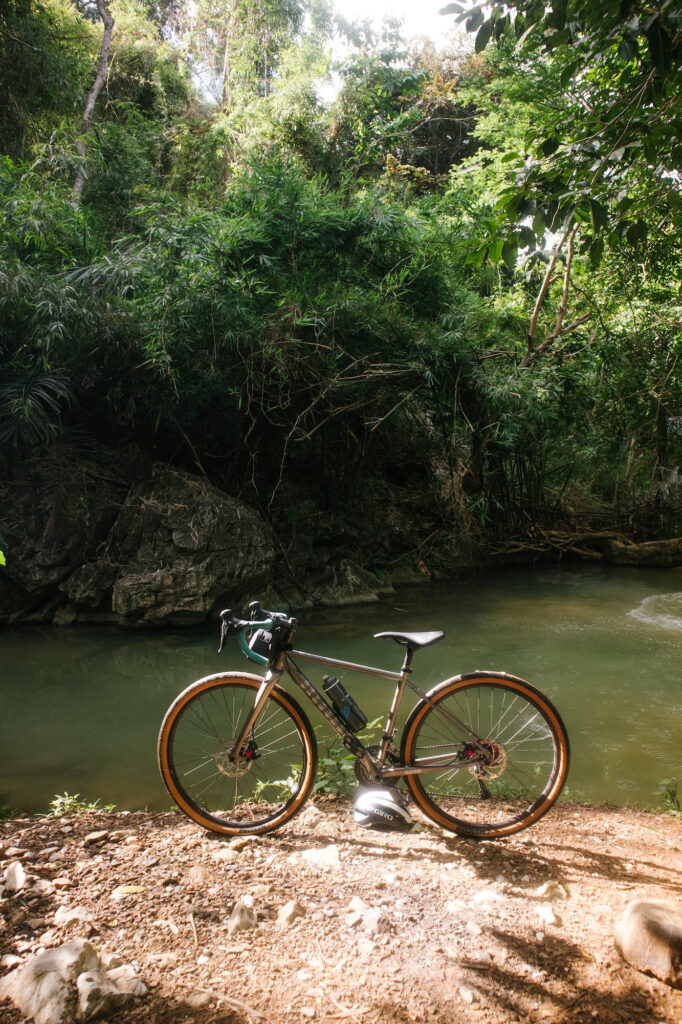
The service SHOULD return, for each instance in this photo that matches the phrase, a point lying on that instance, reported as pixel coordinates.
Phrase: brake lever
(225, 616)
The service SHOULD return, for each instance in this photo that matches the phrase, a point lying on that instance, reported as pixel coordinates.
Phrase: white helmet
(381, 809)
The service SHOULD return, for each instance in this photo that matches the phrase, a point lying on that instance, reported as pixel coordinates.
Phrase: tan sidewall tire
(165, 734)
(504, 681)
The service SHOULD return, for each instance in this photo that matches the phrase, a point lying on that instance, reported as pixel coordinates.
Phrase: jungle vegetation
(457, 271)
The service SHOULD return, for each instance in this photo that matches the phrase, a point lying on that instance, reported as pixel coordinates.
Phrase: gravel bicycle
(483, 754)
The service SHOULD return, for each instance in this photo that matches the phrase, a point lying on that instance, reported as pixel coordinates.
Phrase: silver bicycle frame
(374, 765)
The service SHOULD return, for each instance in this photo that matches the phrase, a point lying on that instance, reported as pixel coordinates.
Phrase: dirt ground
(395, 928)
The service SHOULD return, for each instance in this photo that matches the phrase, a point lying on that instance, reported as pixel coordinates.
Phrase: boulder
(69, 983)
(649, 936)
(347, 583)
(184, 547)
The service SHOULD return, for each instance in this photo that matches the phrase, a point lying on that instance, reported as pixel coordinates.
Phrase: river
(81, 707)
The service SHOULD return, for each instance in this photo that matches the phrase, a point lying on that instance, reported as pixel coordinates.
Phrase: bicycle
(483, 754)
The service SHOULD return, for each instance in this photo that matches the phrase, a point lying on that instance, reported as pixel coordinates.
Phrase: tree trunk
(108, 23)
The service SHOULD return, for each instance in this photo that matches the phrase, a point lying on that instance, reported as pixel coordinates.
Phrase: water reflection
(81, 708)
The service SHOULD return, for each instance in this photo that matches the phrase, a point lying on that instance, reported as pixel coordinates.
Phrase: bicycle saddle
(414, 640)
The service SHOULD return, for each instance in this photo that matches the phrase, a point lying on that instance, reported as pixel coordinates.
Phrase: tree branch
(541, 298)
(89, 110)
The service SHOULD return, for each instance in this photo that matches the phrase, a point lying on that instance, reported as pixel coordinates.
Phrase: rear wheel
(260, 789)
(502, 771)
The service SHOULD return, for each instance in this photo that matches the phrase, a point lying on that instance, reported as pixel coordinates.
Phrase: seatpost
(407, 661)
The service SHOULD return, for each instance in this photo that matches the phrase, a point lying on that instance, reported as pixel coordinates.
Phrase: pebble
(66, 916)
(469, 995)
(15, 876)
(547, 916)
(241, 919)
(473, 928)
(289, 913)
(551, 890)
(10, 960)
(95, 837)
(326, 858)
(240, 842)
(225, 856)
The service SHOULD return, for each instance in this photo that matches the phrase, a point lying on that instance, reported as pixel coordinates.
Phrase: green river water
(81, 707)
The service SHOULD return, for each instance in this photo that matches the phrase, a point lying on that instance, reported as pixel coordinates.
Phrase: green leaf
(599, 215)
(550, 145)
(596, 251)
(483, 35)
(451, 9)
(2, 558)
(568, 74)
(637, 232)
(660, 48)
(495, 250)
(474, 20)
(539, 223)
(510, 252)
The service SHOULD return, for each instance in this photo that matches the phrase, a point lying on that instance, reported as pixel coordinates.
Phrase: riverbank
(346, 924)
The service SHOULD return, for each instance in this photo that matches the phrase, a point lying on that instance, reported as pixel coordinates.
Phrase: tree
(611, 156)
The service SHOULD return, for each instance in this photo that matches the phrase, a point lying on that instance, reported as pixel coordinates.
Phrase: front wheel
(494, 751)
(260, 789)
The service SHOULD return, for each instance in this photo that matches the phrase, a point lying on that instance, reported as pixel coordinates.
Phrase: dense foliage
(459, 276)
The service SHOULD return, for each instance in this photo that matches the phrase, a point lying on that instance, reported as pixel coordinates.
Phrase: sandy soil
(448, 930)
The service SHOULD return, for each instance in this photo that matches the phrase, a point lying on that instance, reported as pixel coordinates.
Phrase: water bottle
(344, 705)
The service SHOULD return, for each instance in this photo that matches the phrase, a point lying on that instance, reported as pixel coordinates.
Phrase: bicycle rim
(526, 744)
(261, 790)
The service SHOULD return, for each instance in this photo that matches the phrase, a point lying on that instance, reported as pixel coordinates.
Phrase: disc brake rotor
(228, 766)
(495, 766)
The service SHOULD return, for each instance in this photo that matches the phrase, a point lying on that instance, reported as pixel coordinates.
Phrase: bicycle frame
(376, 766)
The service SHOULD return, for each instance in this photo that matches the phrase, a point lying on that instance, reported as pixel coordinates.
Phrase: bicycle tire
(255, 796)
(527, 742)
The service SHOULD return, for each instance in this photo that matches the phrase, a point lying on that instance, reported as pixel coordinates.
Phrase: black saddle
(413, 641)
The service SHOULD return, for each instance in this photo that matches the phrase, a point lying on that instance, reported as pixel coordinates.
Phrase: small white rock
(551, 890)
(327, 858)
(289, 913)
(241, 919)
(15, 876)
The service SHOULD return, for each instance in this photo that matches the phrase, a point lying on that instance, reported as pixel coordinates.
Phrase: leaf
(550, 145)
(495, 250)
(510, 253)
(539, 223)
(637, 232)
(596, 251)
(522, 39)
(660, 48)
(568, 74)
(599, 215)
(483, 35)
(501, 26)
(451, 9)
(475, 19)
